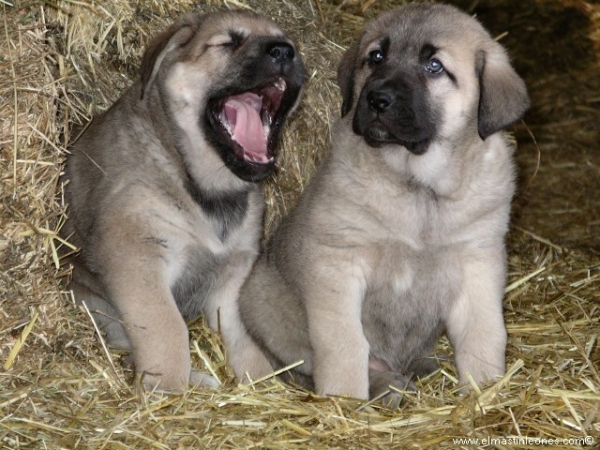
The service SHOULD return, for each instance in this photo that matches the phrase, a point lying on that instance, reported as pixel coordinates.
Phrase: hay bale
(60, 388)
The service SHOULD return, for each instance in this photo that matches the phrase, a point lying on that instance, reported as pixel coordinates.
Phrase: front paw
(160, 383)
(383, 385)
(202, 379)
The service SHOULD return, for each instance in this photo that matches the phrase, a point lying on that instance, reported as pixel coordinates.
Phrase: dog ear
(345, 77)
(503, 96)
(176, 36)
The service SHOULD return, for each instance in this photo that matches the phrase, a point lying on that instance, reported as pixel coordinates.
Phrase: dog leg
(154, 325)
(340, 348)
(222, 313)
(161, 352)
(475, 323)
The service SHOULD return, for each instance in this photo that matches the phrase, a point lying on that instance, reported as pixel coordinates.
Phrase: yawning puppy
(400, 233)
(162, 195)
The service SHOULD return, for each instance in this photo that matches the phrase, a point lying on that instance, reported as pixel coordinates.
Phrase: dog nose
(281, 53)
(379, 101)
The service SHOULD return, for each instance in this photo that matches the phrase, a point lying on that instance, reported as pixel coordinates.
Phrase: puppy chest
(198, 278)
(405, 305)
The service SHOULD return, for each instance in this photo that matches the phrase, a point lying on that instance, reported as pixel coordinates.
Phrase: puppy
(162, 191)
(400, 233)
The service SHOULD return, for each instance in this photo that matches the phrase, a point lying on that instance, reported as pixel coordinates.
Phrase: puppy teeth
(280, 84)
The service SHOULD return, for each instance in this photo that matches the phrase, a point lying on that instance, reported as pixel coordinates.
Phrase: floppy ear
(503, 96)
(176, 36)
(345, 77)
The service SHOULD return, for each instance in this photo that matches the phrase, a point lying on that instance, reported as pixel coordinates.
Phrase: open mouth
(247, 121)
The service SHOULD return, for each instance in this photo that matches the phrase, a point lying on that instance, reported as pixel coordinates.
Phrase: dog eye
(376, 57)
(434, 66)
(236, 39)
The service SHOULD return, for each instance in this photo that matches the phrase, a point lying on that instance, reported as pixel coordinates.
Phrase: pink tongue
(243, 115)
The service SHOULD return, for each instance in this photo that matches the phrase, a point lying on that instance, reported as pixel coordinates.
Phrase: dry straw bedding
(60, 388)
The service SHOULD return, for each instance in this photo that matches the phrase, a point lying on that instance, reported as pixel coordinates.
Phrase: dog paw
(171, 385)
(202, 379)
(389, 387)
(422, 367)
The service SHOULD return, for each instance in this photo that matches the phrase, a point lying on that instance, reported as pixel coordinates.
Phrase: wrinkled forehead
(410, 29)
(242, 24)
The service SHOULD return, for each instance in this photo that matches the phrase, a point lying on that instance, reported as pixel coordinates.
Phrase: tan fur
(167, 229)
(388, 246)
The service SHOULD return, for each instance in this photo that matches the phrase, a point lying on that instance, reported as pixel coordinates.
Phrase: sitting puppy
(162, 195)
(400, 234)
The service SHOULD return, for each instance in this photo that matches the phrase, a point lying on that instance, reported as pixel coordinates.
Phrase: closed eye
(236, 39)
(231, 40)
